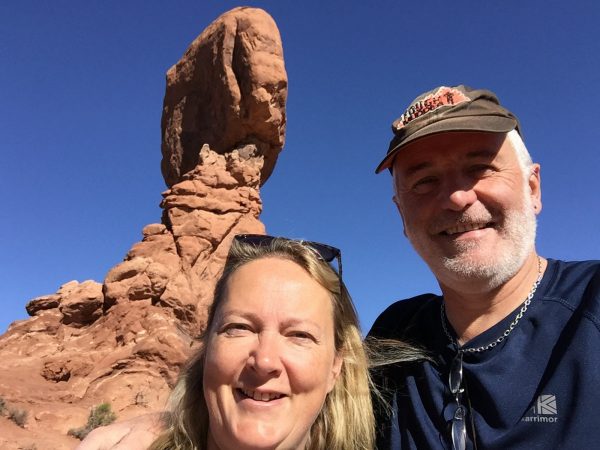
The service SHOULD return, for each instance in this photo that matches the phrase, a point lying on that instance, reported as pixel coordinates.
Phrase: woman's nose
(265, 357)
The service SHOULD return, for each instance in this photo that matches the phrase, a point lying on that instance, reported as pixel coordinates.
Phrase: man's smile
(464, 227)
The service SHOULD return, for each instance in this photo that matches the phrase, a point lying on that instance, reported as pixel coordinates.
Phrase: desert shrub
(2, 406)
(18, 416)
(99, 416)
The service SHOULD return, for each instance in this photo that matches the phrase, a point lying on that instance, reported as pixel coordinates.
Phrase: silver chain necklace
(504, 335)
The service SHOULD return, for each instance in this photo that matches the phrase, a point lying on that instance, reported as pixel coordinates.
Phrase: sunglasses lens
(459, 429)
(455, 377)
(326, 252)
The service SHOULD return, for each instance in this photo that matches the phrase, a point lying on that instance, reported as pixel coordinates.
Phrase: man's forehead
(447, 147)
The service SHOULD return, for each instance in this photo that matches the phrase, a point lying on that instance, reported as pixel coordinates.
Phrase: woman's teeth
(261, 396)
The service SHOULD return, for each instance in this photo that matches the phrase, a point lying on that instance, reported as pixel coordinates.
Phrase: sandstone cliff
(123, 341)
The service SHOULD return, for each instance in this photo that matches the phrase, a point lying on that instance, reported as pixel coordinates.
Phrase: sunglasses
(325, 252)
(455, 381)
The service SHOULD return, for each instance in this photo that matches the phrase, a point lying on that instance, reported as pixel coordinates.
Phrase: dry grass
(99, 416)
(18, 416)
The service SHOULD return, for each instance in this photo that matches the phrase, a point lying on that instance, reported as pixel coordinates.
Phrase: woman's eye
(302, 336)
(236, 329)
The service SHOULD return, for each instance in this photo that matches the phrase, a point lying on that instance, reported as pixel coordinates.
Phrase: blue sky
(81, 89)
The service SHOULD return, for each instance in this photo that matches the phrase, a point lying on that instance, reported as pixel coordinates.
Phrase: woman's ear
(336, 369)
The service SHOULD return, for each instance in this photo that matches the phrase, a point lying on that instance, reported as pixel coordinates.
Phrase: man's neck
(473, 310)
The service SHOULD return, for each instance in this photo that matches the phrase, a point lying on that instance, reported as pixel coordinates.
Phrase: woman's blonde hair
(346, 420)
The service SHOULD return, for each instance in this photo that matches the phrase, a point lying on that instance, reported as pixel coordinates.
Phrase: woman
(282, 365)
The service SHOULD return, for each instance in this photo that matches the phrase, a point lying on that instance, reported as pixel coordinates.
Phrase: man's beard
(499, 264)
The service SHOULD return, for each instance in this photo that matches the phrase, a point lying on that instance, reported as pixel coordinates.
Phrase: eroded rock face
(124, 341)
(177, 263)
(237, 99)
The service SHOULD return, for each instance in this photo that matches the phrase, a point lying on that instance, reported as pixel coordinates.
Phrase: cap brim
(490, 124)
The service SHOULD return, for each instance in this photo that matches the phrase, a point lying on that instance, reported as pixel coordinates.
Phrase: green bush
(99, 416)
(18, 416)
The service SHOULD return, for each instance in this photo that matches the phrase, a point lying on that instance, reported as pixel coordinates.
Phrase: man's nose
(265, 357)
(458, 193)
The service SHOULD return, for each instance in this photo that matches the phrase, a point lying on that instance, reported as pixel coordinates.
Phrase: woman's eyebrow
(238, 313)
(300, 321)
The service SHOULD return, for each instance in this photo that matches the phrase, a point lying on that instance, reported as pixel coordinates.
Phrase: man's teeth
(461, 228)
(261, 396)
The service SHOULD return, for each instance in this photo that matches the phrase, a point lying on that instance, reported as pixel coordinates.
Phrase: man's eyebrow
(411, 170)
(483, 153)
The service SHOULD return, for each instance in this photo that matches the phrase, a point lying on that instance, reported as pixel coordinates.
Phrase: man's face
(467, 206)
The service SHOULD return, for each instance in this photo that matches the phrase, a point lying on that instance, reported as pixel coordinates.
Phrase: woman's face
(270, 357)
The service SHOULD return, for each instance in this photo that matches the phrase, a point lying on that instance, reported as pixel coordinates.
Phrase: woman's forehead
(275, 284)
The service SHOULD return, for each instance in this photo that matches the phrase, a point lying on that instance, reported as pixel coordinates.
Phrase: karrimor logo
(546, 404)
(544, 410)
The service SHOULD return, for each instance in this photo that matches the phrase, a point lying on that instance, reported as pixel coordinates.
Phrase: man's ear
(397, 203)
(535, 188)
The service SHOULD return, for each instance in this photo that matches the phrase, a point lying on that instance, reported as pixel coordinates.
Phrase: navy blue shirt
(539, 388)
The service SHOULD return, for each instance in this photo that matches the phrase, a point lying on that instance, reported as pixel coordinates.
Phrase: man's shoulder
(404, 315)
(573, 279)
(588, 265)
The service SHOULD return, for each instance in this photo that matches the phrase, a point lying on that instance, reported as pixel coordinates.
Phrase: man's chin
(493, 269)
(469, 267)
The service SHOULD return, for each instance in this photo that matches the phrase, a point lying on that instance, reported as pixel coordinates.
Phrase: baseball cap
(443, 109)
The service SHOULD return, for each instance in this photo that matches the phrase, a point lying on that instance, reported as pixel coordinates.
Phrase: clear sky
(81, 89)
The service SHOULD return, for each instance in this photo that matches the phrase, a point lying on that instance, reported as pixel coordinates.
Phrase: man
(513, 340)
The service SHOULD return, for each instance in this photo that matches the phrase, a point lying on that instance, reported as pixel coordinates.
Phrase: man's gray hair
(523, 155)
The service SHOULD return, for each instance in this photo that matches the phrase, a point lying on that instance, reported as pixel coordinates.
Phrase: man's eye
(424, 185)
(481, 169)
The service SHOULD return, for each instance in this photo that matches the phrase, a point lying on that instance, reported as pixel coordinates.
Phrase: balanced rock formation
(244, 91)
(123, 341)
